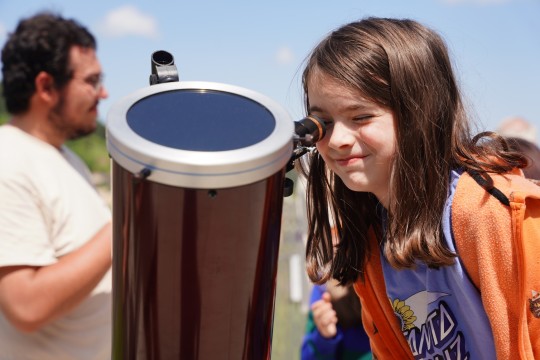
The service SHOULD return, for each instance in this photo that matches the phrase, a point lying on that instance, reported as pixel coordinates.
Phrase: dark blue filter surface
(200, 120)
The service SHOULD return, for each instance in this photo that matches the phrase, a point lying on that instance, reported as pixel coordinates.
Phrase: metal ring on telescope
(184, 139)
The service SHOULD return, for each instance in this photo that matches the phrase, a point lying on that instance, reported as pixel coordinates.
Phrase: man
(55, 232)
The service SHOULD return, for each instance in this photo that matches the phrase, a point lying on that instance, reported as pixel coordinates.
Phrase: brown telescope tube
(197, 173)
(194, 270)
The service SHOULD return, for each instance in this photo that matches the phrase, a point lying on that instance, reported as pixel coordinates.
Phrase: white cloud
(128, 20)
(284, 56)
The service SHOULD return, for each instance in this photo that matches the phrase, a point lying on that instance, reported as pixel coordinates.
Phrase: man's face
(75, 114)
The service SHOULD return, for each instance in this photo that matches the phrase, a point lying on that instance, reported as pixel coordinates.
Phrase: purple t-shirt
(440, 310)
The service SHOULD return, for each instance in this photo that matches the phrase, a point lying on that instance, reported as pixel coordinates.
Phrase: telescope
(198, 179)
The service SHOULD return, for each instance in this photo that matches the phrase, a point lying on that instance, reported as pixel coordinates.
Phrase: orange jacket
(500, 247)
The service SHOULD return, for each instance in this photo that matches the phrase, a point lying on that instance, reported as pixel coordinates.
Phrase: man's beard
(66, 126)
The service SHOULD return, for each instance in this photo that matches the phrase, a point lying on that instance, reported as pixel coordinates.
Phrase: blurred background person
(334, 328)
(531, 151)
(522, 137)
(518, 127)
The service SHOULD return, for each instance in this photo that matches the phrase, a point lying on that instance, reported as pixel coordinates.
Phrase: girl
(441, 249)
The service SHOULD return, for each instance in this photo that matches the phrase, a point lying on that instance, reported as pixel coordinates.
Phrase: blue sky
(495, 44)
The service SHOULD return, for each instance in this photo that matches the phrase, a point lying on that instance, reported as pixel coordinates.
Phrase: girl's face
(360, 141)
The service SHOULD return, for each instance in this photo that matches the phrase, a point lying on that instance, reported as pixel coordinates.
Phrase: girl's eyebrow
(315, 109)
(352, 107)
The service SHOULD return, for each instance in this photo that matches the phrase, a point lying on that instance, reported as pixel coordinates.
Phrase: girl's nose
(340, 136)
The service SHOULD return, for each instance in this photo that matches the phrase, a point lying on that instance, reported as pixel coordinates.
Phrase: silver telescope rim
(198, 169)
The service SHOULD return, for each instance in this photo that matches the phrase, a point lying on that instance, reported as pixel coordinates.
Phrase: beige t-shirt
(48, 208)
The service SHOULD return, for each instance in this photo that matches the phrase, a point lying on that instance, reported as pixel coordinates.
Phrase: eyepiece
(309, 130)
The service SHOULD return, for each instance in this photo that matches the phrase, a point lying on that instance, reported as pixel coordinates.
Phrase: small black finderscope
(163, 68)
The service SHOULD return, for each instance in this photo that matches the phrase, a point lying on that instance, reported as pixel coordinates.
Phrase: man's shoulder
(22, 157)
(13, 141)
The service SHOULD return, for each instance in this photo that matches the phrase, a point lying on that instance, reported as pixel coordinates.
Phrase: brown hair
(39, 43)
(403, 66)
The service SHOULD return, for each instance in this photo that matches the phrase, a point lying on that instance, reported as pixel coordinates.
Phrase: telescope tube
(197, 173)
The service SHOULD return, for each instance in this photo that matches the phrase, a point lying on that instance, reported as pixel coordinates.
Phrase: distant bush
(93, 150)
(3, 111)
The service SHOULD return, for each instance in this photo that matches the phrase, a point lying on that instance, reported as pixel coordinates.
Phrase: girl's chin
(353, 185)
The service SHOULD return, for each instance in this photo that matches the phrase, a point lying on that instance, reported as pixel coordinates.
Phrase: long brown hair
(403, 66)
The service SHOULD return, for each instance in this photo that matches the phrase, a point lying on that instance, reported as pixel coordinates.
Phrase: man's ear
(45, 89)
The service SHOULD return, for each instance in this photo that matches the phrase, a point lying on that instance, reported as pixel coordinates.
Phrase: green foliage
(93, 150)
(289, 318)
(3, 111)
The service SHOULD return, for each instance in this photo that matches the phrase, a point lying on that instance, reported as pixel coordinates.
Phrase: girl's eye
(325, 121)
(362, 117)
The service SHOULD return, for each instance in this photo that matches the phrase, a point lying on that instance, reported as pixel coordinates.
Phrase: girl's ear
(45, 89)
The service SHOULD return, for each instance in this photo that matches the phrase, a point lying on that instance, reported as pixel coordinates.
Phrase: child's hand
(324, 316)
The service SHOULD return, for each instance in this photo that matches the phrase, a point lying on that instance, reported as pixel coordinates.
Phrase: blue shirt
(349, 343)
(440, 310)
